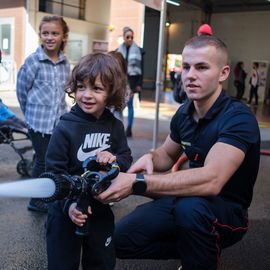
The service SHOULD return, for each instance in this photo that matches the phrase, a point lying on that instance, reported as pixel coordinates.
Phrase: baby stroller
(13, 131)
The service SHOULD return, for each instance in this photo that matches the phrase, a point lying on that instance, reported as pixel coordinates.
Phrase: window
(5, 38)
(77, 46)
(7, 67)
(67, 8)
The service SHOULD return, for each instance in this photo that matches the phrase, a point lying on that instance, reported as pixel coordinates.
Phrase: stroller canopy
(5, 112)
(9, 119)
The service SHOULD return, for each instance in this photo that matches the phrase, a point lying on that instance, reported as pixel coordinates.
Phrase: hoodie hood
(78, 115)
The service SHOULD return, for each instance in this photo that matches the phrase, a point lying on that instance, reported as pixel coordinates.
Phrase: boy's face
(203, 71)
(91, 99)
(51, 36)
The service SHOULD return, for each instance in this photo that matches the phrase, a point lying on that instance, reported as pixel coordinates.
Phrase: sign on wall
(77, 46)
(100, 46)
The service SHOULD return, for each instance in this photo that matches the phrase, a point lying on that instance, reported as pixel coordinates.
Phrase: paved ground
(22, 232)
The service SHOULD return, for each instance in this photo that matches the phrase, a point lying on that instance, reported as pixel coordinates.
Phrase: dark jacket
(79, 135)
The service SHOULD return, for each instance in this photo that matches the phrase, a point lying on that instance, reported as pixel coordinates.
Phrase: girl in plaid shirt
(40, 91)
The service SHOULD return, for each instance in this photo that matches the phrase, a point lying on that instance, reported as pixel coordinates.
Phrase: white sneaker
(180, 267)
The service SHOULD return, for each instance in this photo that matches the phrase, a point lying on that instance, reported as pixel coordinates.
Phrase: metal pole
(159, 81)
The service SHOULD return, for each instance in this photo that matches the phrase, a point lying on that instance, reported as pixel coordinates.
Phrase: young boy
(89, 129)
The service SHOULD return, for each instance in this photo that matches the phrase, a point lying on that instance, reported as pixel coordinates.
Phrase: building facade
(88, 21)
(98, 24)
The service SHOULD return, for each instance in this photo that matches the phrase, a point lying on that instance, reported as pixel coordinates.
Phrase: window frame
(80, 7)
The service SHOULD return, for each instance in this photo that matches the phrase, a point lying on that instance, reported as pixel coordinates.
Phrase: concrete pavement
(22, 232)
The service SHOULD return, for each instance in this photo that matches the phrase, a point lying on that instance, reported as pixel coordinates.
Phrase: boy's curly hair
(110, 73)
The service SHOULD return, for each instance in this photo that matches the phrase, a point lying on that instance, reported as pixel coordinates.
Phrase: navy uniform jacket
(228, 121)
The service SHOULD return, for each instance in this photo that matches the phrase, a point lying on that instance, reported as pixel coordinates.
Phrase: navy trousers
(40, 144)
(192, 229)
(65, 250)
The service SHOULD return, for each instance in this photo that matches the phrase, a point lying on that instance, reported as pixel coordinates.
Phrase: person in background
(239, 79)
(179, 93)
(205, 30)
(134, 57)
(173, 77)
(96, 83)
(40, 91)
(254, 82)
(201, 210)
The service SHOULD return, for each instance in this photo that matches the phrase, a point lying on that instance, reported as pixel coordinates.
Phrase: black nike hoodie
(78, 136)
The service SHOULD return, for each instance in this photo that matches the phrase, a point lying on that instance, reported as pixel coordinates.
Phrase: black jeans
(192, 229)
(40, 143)
(240, 91)
(253, 92)
(65, 249)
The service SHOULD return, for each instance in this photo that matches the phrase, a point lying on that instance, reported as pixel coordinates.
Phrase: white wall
(247, 37)
(98, 11)
(245, 33)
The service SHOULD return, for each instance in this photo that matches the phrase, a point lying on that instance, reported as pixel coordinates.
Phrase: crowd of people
(254, 82)
(194, 213)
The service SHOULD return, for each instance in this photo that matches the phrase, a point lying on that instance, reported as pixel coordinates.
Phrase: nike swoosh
(82, 156)
(108, 241)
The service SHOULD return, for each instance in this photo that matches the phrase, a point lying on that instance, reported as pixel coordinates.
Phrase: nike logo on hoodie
(97, 141)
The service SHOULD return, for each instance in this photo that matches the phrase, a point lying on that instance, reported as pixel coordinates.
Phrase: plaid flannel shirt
(40, 90)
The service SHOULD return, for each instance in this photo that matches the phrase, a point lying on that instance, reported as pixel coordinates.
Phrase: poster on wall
(77, 46)
(100, 46)
(74, 50)
(263, 71)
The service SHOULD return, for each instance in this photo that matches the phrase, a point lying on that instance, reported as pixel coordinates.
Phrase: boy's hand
(76, 216)
(105, 157)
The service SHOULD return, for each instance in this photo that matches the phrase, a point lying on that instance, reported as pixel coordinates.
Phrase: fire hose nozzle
(63, 186)
(91, 182)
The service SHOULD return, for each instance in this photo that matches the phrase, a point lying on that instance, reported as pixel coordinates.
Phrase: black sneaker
(37, 205)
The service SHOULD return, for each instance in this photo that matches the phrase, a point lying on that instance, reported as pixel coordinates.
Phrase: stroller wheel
(24, 167)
